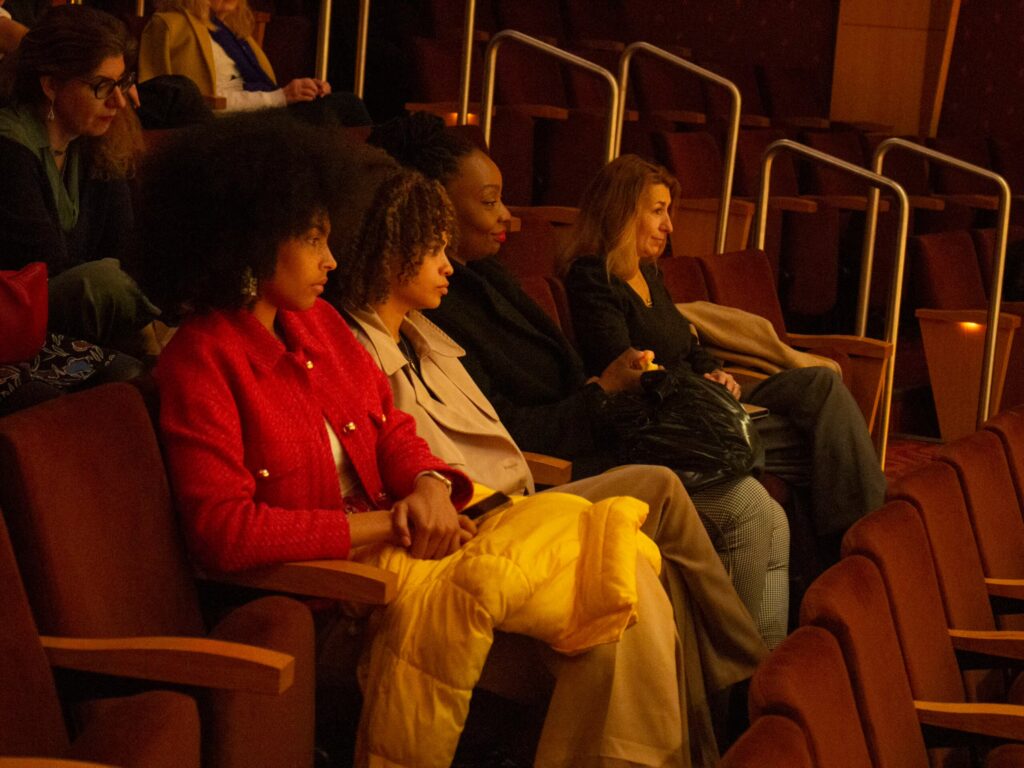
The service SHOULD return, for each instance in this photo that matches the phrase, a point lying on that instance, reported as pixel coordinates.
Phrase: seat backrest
(695, 160)
(894, 539)
(770, 742)
(984, 474)
(973, 149)
(684, 279)
(533, 250)
(29, 709)
(540, 18)
(846, 146)
(985, 247)
(743, 279)
(750, 147)
(849, 601)
(83, 488)
(538, 288)
(947, 275)
(934, 491)
(587, 20)
(795, 91)
(662, 86)
(805, 679)
(1009, 426)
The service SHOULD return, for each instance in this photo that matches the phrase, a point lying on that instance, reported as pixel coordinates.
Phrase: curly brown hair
(410, 216)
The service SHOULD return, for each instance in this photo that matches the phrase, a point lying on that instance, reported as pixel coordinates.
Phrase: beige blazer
(178, 43)
(460, 425)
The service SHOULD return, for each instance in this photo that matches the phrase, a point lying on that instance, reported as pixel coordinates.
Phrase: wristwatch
(437, 476)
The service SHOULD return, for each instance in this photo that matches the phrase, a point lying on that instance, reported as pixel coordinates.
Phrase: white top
(231, 86)
(348, 480)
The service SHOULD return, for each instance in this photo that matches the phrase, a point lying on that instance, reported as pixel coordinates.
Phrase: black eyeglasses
(104, 86)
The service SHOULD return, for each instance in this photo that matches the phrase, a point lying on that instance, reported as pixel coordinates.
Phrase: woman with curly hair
(67, 143)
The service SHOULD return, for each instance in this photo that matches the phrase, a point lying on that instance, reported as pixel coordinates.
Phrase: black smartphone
(488, 505)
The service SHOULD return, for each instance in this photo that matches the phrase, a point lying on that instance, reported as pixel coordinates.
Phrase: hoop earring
(50, 115)
(249, 284)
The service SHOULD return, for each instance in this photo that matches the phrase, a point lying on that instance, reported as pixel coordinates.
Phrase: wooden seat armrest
(851, 345)
(332, 579)
(1012, 589)
(806, 122)
(596, 44)
(548, 470)
(215, 102)
(755, 121)
(687, 116)
(47, 762)
(976, 316)
(554, 214)
(849, 202)
(196, 661)
(1001, 721)
(927, 203)
(981, 202)
(736, 207)
(795, 204)
(1002, 644)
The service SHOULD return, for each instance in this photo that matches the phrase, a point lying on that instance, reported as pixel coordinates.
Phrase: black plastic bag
(687, 423)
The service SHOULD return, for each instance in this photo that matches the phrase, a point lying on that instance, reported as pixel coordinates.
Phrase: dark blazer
(525, 366)
(30, 230)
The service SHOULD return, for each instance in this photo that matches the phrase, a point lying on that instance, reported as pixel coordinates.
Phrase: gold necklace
(638, 283)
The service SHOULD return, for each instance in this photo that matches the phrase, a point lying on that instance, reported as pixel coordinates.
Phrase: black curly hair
(420, 140)
(410, 216)
(219, 199)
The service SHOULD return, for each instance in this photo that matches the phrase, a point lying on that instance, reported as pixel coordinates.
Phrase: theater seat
(771, 742)
(150, 730)
(849, 601)
(86, 500)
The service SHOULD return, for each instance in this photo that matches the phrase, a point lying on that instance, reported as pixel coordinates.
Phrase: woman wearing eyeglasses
(67, 145)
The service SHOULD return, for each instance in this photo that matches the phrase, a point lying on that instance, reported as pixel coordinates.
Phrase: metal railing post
(490, 66)
(468, 31)
(996, 288)
(896, 289)
(733, 131)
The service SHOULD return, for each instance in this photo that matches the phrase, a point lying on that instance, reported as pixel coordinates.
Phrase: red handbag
(24, 301)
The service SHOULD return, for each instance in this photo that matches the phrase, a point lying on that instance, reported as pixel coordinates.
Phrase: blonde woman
(211, 42)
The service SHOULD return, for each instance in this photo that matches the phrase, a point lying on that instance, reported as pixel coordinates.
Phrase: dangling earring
(49, 115)
(249, 284)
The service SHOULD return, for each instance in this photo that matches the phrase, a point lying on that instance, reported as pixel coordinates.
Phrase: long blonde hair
(605, 226)
(240, 21)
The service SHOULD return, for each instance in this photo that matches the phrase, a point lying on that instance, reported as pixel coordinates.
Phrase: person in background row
(211, 42)
(68, 141)
(11, 32)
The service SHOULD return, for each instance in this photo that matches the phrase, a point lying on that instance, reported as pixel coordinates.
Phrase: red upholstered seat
(895, 540)
(805, 679)
(849, 600)
(155, 730)
(771, 742)
(684, 279)
(86, 500)
(1009, 426)
(984, 474)
(947, 275)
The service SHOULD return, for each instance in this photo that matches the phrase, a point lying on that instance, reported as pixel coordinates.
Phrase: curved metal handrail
(323, 43)
(995, 290)
(468, 30)
(491, 60)
(893, 318)
(732, 133)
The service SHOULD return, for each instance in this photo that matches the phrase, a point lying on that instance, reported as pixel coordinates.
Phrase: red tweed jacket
(242, 419)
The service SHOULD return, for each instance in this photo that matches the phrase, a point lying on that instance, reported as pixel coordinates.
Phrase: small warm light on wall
(971, 326)
(452, 118)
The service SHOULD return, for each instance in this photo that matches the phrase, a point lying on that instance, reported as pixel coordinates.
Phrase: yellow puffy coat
(553, 566)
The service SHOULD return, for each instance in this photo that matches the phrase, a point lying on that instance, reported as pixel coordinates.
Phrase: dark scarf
(241, 53)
